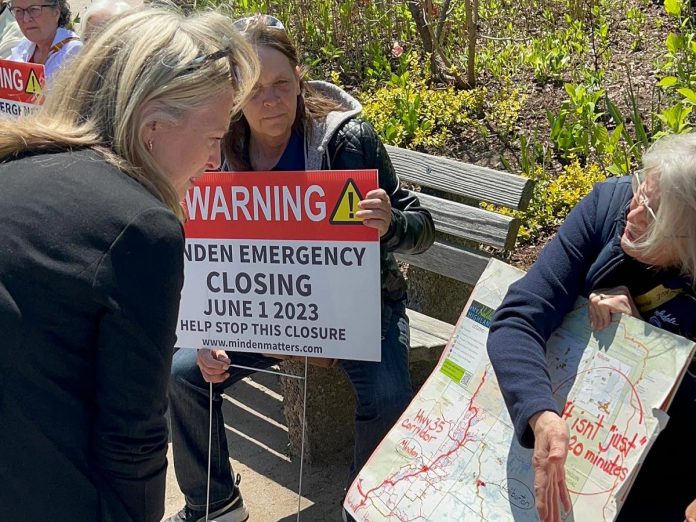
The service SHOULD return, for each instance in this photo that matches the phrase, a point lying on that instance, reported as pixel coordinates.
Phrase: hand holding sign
(604, 302)
(213, 364)
(375, 210)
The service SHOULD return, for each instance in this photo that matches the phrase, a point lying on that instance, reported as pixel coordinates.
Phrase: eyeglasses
(243, 24)
(34, 11)
(637, 182)
(212, 57)
(225, 52)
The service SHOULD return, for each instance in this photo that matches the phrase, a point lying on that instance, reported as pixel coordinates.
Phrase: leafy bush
(553, 198)
(410, 112)
(680, 64)
(550, 56)
(574, 127)
(503, 108)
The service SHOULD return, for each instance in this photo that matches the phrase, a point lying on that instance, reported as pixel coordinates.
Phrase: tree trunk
(440, 67)
(471, 7)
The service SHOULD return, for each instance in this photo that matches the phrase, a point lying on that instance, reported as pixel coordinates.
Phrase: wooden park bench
(467, 237)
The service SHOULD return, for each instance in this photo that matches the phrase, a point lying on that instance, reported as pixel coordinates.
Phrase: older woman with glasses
(47, 41)
(630, 247)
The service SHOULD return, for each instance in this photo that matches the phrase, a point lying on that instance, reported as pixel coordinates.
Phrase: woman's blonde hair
(151, 65)
(672, 159)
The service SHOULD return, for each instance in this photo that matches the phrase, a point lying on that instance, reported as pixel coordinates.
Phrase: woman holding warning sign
(288, 125)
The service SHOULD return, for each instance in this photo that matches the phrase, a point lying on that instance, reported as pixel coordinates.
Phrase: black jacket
(355, 145)
(91, 268)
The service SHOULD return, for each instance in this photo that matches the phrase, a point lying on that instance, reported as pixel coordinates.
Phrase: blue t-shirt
(293, 157)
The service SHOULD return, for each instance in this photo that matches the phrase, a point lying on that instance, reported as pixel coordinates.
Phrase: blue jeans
(382, 391)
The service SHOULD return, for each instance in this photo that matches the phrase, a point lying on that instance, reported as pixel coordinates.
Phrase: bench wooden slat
(440, 330)
(460, 263)
(427, 335)
(474, 224)
(424, 347)
(448, 175)
(421, 337)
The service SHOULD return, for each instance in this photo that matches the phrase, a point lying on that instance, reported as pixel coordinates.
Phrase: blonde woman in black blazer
(91, 262)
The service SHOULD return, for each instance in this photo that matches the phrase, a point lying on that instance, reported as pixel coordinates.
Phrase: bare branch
(441, 21)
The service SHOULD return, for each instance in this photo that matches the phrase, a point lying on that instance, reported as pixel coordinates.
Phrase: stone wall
(330, 410)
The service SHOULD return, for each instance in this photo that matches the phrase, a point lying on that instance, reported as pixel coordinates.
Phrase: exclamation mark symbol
(351, 215)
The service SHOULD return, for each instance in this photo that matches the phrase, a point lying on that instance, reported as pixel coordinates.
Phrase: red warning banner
(306, 205)
(19, 81)
(21, 85)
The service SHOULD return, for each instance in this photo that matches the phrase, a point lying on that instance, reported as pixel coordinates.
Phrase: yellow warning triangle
(33, 85)
(344, 211)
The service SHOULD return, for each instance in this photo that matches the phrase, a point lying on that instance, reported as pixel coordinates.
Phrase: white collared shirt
(10, 35)
(25, 50)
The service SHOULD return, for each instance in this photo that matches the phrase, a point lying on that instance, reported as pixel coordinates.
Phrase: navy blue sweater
(585, 254)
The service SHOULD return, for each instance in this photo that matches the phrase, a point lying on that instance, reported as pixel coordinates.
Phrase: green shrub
(503, 108)
(553, 198)
(408, 112)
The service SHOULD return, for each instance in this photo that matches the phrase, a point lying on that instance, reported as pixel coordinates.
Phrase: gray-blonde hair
(673, 160)
(63, 8)
(151, 65)
(112, 8)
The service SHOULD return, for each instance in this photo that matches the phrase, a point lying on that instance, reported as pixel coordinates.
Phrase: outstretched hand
(606, 301)
(550, 452)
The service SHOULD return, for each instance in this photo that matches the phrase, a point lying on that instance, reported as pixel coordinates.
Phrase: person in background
(98, 14)
(91, 262)
(10, 35)
(47, 40)
(290, 124)
(630, 247)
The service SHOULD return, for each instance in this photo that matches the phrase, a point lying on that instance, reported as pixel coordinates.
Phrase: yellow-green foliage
(408, 112)
(554, 197)
(335, 78)
(421, 116)
(503, 110)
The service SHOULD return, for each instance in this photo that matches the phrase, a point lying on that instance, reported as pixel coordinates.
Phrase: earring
(149, 145)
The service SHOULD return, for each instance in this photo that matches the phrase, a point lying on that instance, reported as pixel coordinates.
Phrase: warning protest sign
(21, 85)
(277, 262)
